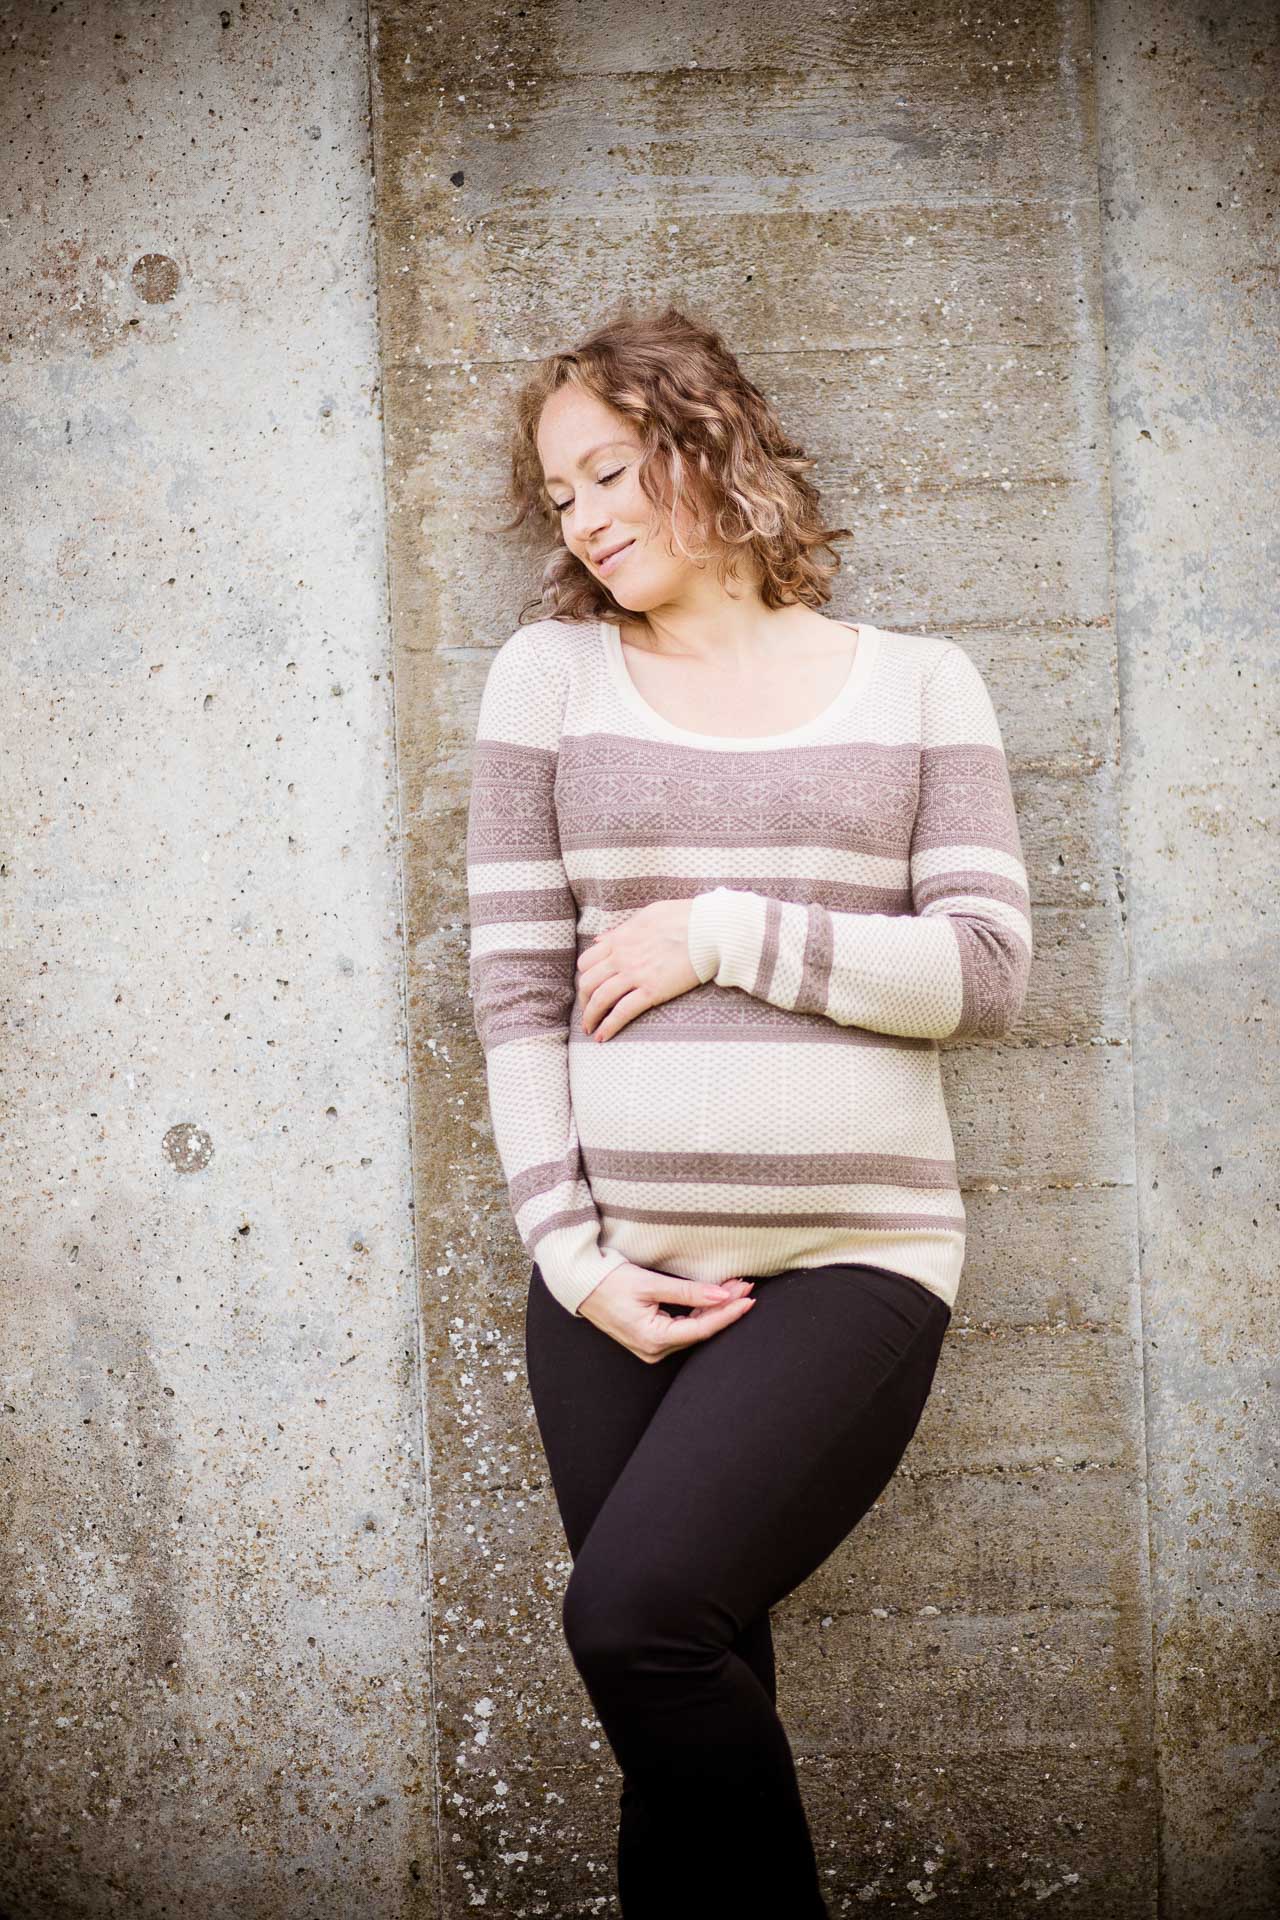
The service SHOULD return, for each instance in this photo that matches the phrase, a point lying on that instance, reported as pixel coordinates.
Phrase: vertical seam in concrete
(426, 1563)
(1137, 1316)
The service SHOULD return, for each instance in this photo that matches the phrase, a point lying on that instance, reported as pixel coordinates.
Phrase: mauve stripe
(621, 894)
(511, 815)
(500, 1029)
(960, 881)
(656, 1026)
(521, 975)
(986, 959)
(516, 904)
(519, 998)
(770, 1169)
(512, 839)
(768, 947)
(971, 1004)
(545, 1177)
(545, 851)
(577, 1218)
(815, 971)
(612, 792)
(616, 835)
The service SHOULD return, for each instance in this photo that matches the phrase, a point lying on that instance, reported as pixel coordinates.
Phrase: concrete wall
(894, 215)
(214, 1660)
(1189, 153)
(271, 1643)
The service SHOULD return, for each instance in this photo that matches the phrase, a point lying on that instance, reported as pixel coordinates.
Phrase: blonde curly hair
(708, 435)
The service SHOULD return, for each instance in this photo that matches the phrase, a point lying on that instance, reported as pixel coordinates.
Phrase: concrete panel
(1189, 159)
(893, 215)
(214, 1657)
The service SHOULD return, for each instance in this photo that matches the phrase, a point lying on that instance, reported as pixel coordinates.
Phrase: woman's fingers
(713, 1304)
(624, 1009)
(693, 1293)
(627, 1305)
(700, 1325)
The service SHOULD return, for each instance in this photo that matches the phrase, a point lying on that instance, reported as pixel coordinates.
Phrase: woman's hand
(636, 965)
(625, 1305)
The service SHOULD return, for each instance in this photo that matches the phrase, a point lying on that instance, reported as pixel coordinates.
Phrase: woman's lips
(607, 566)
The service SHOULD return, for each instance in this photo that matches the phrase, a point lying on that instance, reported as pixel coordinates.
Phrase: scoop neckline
(855, 679)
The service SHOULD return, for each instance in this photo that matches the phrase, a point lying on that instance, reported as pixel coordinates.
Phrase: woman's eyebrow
(590, 454)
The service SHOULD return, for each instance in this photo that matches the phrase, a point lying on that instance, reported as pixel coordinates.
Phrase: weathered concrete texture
(214, 1657)
(1189, 165)
(892, 212)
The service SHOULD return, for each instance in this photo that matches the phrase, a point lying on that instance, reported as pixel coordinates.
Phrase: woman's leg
(772, 1440)
(593, 1400)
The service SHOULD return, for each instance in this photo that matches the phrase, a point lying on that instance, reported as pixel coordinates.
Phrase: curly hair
(708, 435)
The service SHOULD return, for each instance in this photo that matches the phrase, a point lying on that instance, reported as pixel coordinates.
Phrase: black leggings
(696, 1492)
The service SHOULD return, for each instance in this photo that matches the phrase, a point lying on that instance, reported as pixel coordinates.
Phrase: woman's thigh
(592, 1399)
(771, 1441)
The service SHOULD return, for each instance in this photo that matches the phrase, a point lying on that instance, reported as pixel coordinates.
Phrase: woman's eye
(562, 506)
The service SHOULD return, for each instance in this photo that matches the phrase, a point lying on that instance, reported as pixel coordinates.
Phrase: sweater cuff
(726, 935)
(570, 1278)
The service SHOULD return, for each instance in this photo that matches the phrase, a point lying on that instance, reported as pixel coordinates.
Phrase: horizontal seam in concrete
(838, 351)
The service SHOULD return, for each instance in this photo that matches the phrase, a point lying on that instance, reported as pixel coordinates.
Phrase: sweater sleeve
(523, 965)
(958, 964)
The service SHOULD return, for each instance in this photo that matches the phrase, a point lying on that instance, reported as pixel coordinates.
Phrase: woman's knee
(616, 1619)
(599, 1625)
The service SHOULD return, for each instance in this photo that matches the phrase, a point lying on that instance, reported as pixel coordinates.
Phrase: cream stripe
(529, 936)
(963, 857)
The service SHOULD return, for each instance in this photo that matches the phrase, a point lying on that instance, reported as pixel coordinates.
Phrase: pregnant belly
(766, 1105)
(708, 1156)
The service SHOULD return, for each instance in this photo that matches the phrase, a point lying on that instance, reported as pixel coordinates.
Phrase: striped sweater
(859, 894)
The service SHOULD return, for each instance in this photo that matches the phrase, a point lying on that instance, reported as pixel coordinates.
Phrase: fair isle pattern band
(617, 790)
(857, 895)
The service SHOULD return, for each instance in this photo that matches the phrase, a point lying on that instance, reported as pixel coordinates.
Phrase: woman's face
(590, 457)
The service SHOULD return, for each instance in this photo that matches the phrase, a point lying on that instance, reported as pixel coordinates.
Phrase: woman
(735, 868)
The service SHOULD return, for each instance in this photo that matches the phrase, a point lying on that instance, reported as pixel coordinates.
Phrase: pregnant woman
(735, 868)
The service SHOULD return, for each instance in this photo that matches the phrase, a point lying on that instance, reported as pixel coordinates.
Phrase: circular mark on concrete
(187, 1147)
(155, 278)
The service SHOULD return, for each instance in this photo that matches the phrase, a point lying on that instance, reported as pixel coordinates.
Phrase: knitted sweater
(859, 894)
